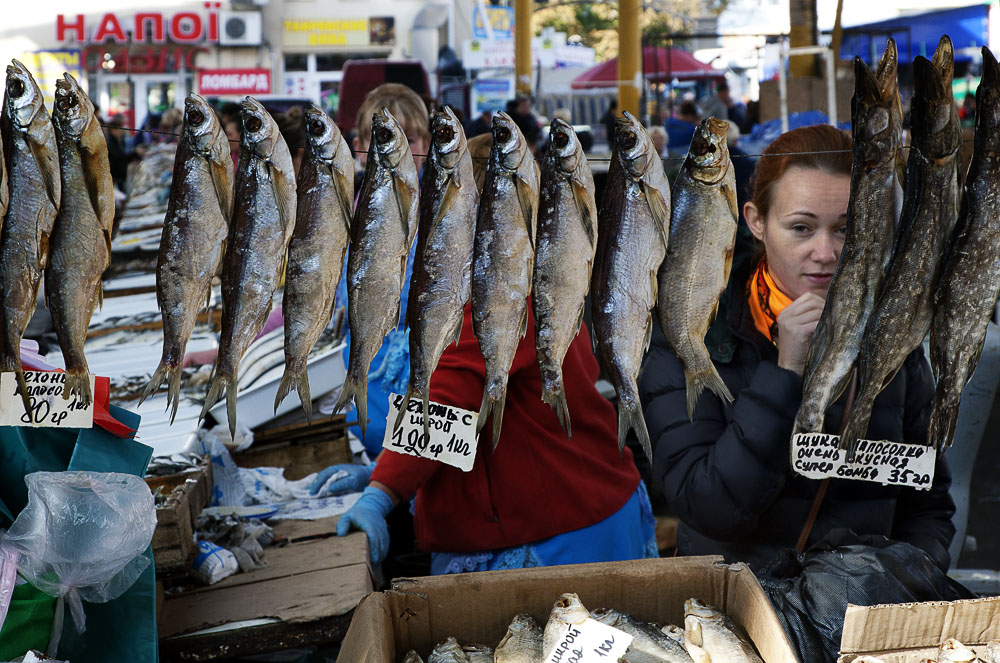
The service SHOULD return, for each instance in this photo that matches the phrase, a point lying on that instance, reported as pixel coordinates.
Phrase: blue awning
(918, 34)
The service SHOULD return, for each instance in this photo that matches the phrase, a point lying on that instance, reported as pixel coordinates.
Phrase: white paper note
(819, 456)
(589, 642)
(452, 438)
(49, 409)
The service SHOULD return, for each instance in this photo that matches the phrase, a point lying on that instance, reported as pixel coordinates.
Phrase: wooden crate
(188, 493)
(300, 448)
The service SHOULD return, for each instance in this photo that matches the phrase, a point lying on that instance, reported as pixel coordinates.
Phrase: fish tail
(697, 382)
(300, 380)
(215, 389)
(159, 375)
(10, 362)
(494, 406)
(944, 416)
(22, 385)
(630, 416)
(173, 390)
(425, 404)
(78, 383)
(555, 396)
(358, 391)
(857, 424)
(403, 407)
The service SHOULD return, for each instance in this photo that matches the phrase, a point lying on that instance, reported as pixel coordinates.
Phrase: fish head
(509, 144)
(875, 113)
(708, 156)
(72, 110)
(523, 622)
(568, 609)
(692, 631)
(933, 116)
(701, 610)
(988, 104)
(564, 147)
(447, 138)
(23, 99)
(674, 632)
(389, 143)
(259, 130)
(201, 124)
(632, 144)
(322, 132)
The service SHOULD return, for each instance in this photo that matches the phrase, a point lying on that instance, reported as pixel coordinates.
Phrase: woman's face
(804, 229)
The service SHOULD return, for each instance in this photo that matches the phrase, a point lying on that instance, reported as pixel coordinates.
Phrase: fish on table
(713, 631)
(522, 643)
(646, 638)
(193, 241)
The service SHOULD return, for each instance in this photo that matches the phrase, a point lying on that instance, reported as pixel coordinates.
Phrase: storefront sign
(374, 31)
(234, 81)
(115, 59)
(501, 22)
(545, 52)
(150, 27)
(589, 642)
(819, 456)
(491, 94)
(48, 66)
(452, 438)
(48, 407)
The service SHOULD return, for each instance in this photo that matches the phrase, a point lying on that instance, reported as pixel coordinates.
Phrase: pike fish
(970, 278)
(646, 638)
(632, 241)
(80, 245)
(30, 159)
(385, 221)
(904, 306)
(872, 214)
(194, 237)
(448, 651)
(316, 251)
(564, 258)
(699, 256)
(567, 611)
(262, 223)
(502, 261)
(708, 628)
(522, 643)
(442, 266)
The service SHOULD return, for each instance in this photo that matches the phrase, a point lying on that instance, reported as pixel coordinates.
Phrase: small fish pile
(708, 636)
(952, 651)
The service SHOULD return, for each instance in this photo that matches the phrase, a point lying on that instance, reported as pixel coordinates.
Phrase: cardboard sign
(452, 438)
(48, 407)
(588, 642)
(819, 456)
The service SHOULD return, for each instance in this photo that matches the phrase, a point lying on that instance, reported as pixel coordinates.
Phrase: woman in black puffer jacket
(727, 473)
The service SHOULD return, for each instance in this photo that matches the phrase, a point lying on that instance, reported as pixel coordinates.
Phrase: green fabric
(28, 623)
(120, 630)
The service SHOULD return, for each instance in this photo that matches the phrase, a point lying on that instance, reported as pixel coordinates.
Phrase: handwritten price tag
(588, 642)
(48, 407)
(452, 438)
(819, 456)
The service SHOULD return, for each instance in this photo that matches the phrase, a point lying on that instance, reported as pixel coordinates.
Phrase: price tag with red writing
(48, 407)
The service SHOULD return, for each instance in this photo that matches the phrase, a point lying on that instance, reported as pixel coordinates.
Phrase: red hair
(820, 146)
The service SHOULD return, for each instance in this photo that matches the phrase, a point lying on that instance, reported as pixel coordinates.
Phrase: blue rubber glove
(357, 478)
(368, 515)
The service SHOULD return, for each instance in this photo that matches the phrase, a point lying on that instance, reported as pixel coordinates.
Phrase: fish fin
(358, 391)
(648, 334)
(344, 186)
(630, 416)
(22, 386)
(524, 321)
(222, 182)
(973, 361)
(658, 206)
(403, 408)
(78, 384)
(48, 166)
(404, 199)
(451, 190)
(588, 209)
(944, 60)
(556, 398)
(696, 383)
(734, 208)
(99, 185)
(216, 386)
(99, 295)
(494, 407)
(300, 380)
(456, 333)
(525, 195)
(286, 205)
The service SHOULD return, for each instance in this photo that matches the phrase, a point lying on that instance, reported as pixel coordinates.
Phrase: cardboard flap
(368, 638)
(747, 604)
(882, 628)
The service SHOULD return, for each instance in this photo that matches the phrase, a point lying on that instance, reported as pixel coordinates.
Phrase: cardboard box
(805, 94)
(476, 608)
(910, 632)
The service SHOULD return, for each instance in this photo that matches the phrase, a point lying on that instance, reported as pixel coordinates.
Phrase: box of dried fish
(476, 612)
(932, 632)
(179, 500)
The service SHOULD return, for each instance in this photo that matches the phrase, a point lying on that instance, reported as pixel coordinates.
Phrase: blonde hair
(404, 104)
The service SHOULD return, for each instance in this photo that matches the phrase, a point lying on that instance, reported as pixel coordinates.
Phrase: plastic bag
(82, 536)
(213, 563)
(810, 591)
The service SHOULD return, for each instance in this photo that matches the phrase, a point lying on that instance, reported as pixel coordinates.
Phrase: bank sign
(234, 81)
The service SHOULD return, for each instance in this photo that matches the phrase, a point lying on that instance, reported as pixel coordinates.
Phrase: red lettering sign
(76, 28)
(234, 81)
(142, 19)
(185, 27)
(110, 27)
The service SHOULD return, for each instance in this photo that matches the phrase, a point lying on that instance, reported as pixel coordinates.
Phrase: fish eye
(383, 135)
(65, 103)
(253, 123)
(316, 128)
(503, 134)
(629, 140)
(15, 87)
(444, 134)
(194, 116)
(560, 139)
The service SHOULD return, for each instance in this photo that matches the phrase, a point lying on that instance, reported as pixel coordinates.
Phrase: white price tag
(588, 642)
(819, 456)
(452, 438)
(48, 407)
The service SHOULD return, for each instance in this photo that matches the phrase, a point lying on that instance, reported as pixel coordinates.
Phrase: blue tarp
(918, 34)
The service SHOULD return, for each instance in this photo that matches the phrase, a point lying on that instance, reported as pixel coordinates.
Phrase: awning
(918, 34)
(660, 65)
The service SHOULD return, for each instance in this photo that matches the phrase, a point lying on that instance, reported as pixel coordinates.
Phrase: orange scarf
(766, 302)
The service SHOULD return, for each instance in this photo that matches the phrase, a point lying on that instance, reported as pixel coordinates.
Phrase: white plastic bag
(214, 563)
(82, 535)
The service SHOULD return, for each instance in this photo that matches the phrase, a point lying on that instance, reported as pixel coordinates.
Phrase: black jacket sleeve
(722, 470)
(923, 517)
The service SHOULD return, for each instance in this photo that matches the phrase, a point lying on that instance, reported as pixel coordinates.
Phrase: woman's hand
(796, 325)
